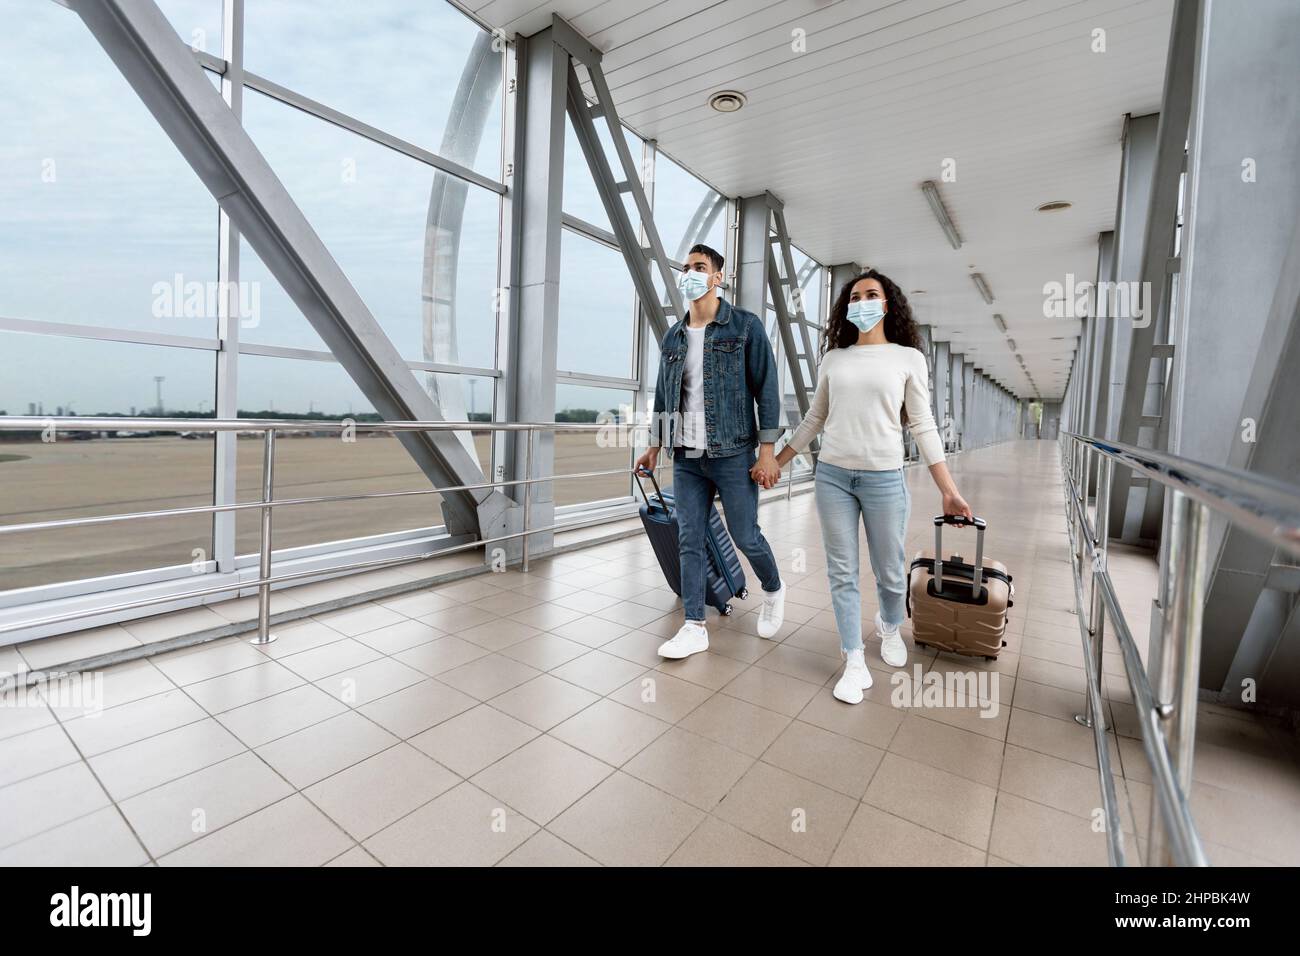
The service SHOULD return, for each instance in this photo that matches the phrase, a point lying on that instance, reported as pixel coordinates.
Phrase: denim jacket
(739, 373)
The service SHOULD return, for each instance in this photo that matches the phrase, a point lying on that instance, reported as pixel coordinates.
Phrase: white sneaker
(892, 649)
(691, 639)
(772, 614)
(855, 679)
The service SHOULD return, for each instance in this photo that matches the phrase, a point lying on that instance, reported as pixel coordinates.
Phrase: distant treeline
(584, 415)
(27, 435)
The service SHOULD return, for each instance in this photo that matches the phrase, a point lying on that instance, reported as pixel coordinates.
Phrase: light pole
(157, 381)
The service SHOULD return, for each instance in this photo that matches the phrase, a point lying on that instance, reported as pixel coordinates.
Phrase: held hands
(766, 471)
(955, 504)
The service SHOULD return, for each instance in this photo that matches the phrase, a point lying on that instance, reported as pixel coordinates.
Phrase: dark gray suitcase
(726, 576)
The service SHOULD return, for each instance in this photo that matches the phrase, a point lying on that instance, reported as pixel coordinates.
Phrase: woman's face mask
(866, 313)
(693, 284)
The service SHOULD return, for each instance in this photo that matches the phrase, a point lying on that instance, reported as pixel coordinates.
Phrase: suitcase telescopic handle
(637, 473)
(960, 521)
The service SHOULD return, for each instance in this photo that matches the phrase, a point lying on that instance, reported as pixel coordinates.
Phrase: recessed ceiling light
(918, 292)
(727, 101)
(1056, 205)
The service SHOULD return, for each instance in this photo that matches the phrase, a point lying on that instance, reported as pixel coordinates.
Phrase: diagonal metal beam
(1240, 570)
(796, 299)
(639, 260)
(160, 68)
(1157, 247)
(629, 242)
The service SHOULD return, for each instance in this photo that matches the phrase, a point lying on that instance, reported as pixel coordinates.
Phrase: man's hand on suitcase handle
(648, 461)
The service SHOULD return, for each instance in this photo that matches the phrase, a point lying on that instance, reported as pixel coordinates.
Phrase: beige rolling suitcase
(955, 605)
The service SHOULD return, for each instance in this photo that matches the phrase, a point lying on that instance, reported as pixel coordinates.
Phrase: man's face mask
(693, 284)
(866, 313)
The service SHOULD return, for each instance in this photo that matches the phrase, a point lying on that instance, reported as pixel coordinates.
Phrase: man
(714, 365)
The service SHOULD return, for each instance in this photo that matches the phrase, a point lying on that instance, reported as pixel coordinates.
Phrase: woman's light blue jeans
(881, 501)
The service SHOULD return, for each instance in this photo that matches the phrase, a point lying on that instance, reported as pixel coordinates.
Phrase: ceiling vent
(727, 101)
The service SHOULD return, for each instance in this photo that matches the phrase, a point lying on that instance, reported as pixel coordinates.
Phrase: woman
(873, 379)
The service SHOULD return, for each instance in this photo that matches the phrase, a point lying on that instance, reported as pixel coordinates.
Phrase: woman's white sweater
(856, 408)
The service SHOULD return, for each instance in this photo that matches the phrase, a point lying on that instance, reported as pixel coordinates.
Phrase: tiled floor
(525, 719)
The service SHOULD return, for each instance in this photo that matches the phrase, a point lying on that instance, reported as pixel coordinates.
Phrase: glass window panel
(309, 465)
(812, 280)
(580, 196)
(197, 21)
(432, 286)
(101, 221)
(597, 309)
(81, 474)
(396, 65)
(687, 211)
(605, 450)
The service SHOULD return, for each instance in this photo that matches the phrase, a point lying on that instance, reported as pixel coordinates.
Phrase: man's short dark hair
(714, 256)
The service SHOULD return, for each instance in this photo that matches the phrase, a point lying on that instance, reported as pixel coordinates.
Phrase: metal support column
(1140, 417)
(534, 314)
(943, 391)
(1234, 395)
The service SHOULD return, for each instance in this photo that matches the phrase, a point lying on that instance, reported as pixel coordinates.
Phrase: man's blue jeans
(695, 479)
(880, 500)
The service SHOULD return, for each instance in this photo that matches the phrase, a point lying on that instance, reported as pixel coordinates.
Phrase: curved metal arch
(705, 215)
(471, 107)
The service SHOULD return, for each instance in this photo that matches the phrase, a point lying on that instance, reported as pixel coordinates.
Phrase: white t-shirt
(694, 434)
(860, 392)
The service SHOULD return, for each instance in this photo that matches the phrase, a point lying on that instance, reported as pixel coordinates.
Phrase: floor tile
(380, 790)
(610, 731)
(624, 822)
(935, 799)
(474, 739)
(690, 767)
(182, 811)
(316, 752)
(799, 816)
(290, 832)
(877, 838)
(542, 778)
(463, 827)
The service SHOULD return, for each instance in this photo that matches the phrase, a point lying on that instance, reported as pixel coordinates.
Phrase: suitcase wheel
(725, 610)
(993, 658)
(743, 593)
(919, 643)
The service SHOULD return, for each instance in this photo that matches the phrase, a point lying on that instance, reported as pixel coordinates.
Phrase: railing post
(1096, 622)
(528, 493)
(264, 635)
(1097, 612)
(1178, 670)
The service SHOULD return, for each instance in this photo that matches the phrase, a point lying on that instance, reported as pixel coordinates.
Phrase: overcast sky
(97, 208)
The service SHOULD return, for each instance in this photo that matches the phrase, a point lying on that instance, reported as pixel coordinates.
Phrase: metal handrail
(269, 428)
(1262, 506)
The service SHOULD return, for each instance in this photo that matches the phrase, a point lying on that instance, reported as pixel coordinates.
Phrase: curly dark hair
(900, 327)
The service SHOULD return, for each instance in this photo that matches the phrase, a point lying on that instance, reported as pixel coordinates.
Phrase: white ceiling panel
(881, 95)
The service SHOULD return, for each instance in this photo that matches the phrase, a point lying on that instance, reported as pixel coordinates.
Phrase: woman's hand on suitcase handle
(955, 504)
